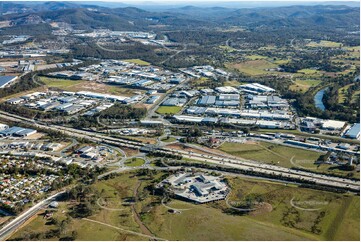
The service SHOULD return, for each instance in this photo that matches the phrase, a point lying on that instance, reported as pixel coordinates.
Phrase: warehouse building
(229, 97)
(101, 96)
(142, 83)
(6, 80)
(353, 132)
(15, 100)
(227, 103)
(256, 88)
(264, 102)
(207, 101)
(3, 126)
(332, 124)
(152, 99)
(17, 132)
(173, 101)
(226, 89)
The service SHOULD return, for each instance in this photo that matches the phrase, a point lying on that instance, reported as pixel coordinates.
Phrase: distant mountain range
(90, 15)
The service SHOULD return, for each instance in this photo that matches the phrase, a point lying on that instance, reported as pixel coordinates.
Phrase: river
(318, 99)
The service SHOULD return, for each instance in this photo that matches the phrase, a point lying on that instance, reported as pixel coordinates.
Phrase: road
(11, 227)
(106, 49)
(234, 162)
(151, 111)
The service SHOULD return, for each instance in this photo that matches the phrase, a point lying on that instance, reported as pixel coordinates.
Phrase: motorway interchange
(262, 171)
(233, 162)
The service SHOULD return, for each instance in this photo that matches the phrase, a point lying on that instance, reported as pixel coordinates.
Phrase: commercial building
(85, 149)
(199, 188)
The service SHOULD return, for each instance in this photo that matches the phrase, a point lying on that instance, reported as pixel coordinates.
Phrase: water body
(318, 99)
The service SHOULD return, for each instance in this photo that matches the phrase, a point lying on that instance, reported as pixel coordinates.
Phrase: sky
(186, 1)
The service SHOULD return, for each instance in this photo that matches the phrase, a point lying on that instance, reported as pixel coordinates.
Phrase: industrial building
(353, 132)
(332, 124)
(207, 101)
(222, 100)
(101, 96)
(268, 124)
(3, 126)
(266, 102)
(17, 132)
(152, 99)
(256, 88)
(173, 101)
(226, 89)
(6, 80)
(142, 83)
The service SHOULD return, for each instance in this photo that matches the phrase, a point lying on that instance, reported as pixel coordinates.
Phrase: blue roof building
(353, 132)
(5, 80)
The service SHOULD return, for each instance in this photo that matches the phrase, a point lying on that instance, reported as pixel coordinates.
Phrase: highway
(234, 162)
(11, 227)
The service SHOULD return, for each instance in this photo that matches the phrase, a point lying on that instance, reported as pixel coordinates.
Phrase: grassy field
(342, 91)
(232, 83)
(335, 207)
(324, 43)
(212, 221)
(355, 96)
(308, 71)
(349, 218)
(117, 90)
(271, 153)
(281, 61)
(252, 67)
(200, 82)
(168, 109)
(304, 134)
(268, 47)
(60, 83)
(74, 86)
(138, 62)
(256, 57)
(169, 139)
(354, 51)
(284, 156)
(303, 85)
(113, 192)
(227, 48)
(134, 162)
